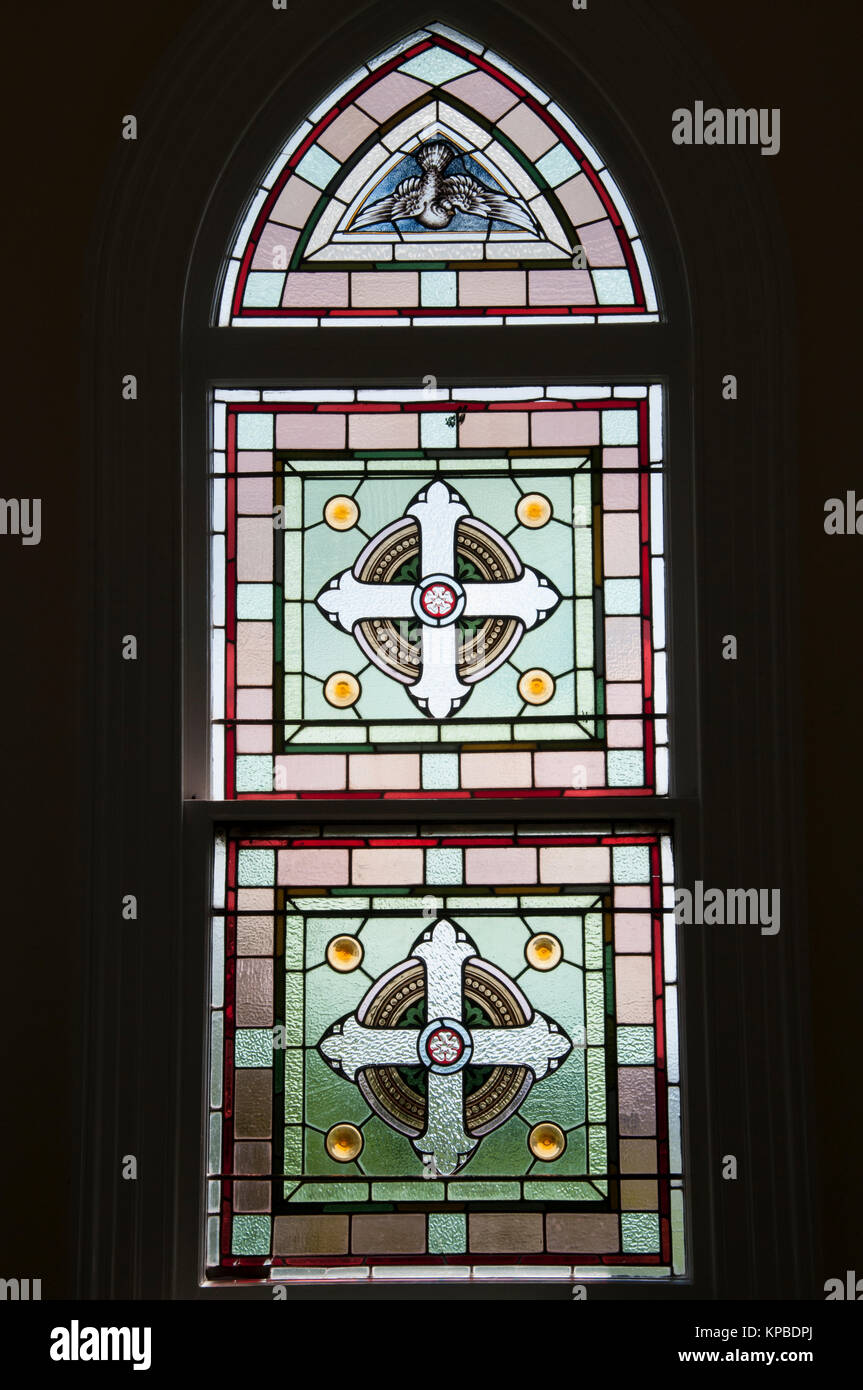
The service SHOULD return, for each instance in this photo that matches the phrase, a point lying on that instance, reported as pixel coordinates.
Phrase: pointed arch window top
(437, 185)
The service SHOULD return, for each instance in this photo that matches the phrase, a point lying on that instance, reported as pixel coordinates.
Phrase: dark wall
(73, 71)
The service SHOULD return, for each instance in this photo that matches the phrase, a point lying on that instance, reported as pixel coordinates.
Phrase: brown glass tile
(254, 993)
(505, 1233)
(389, 1235)
(583, 1233)
(310, 1235)
(638, 1155)
(253, 1103)
(253, 1156)
(251, 1196)
(254, 936)
(637, 1100)
(639, 1195)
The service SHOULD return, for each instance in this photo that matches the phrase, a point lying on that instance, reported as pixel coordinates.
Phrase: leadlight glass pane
(444, 1047)
(439, 592)
(437, 184)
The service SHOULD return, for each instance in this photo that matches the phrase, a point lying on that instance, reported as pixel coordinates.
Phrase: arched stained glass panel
(437, 184)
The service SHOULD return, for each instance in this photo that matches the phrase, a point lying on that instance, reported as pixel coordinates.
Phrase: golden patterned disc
(341, 513)
(536, 686)
(344, 1143)
(342, 689)
(534, 510)
(543, 951)
(344, 953)
(547, 1142)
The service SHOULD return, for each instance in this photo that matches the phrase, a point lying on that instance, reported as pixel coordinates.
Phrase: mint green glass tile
(584, 634)
(331, 1099)
(388, 940)
(585, 693)
(214, 1147)
(316, 706)
(496, 697)
(593, 943)
(318, 491)
(549, 646)
(595, 1084)
(455, 903)
(447, 1233)
(440, 771)
(561, 704)
(254, 601)
(444, 866)
(293, 942)
(583, 561)
(321, 736)
(387, 1153)
(560, 1192)
(595, 1006)
(382, 500)
(622, 596)
(330, 995)
(639, 1232)
(253, 1047)
(543, 730)
(635, 1045)
(558, 994)
(558, 490)
(293, 579)
(254, 772)
(467, 1191)
(579, 901)
(326, 553)
(501, 1153)
(677, 1237)
(631, 864)
(217, 1037)
(320, 931)
(620, 426)
(397, 733)
(597, 1140)
(458, 732)
(558, 165)
(288, 1188)
(293, 697)
(256, 868)
(549, 550)
(354, 1192)
(435, 433)
(292, 503)
(250, 1235)
(438, 289)
(293, 1149)
(501, 940)
(293, 637)
(317, 167)
(293, 1010)
(560, 1097)
(492, 500)
(255, 431)
(384, 698)
(293, 1085)
(625, 767)
(471, 465)
(400, 1191)
(302, 902)
(435, 66)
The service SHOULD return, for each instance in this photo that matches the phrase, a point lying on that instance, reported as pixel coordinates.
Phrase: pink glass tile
(634, 986)
(305, 772)
(255, 495)
(593, 1233)
(632, 932)
(624, 699)
(620, 458)
(254, 653)
(513, 864)
(255, 899)
(380, 866)
(560, 287)
(312, 289)
(347, 131)
(254, 461)
(527, 131)
(560, 427)
(394, 429)
(632, 895)
(393, 92)
(575, 864)
(385, 289)
(574, 769)
(384, 771)
(625, 733)
(254, 738)
(274, 248)
(255, 549)
(620, 492)
(495, 770)
(636, 1100)
(254, 992)
(580, 200)
(483, 93)
(620, 545)
(601, 245)
(310, 430)
(254, 704)
(295, 202)
(483, 429)
(491, 287)
(299, 868)
(623, 648)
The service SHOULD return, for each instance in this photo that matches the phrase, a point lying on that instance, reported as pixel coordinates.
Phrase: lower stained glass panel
(444, 1052)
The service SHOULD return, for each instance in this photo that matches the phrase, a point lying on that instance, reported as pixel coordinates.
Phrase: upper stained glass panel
(437, 184)
(438, 593)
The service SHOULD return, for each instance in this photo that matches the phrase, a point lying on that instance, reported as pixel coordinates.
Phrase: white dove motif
(434, 198)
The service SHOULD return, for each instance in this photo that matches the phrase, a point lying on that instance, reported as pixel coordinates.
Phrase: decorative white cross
(438, 601)
(444, 1047)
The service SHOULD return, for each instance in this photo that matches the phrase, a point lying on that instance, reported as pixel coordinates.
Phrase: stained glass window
(444, 1048)
(441, 1050)
(437, 184)
(457, 592)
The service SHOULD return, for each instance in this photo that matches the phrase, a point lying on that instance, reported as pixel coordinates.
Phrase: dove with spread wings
(435, 197)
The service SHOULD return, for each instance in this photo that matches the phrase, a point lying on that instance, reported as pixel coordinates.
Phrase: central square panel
(439, 596)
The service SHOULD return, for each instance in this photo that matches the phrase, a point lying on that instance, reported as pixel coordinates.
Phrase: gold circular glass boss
(533, 510)
(536, 687)
(543, 951)
(342, 689)
(547, 1142)
(344, 1143)
(341, 513)
(344, 953)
